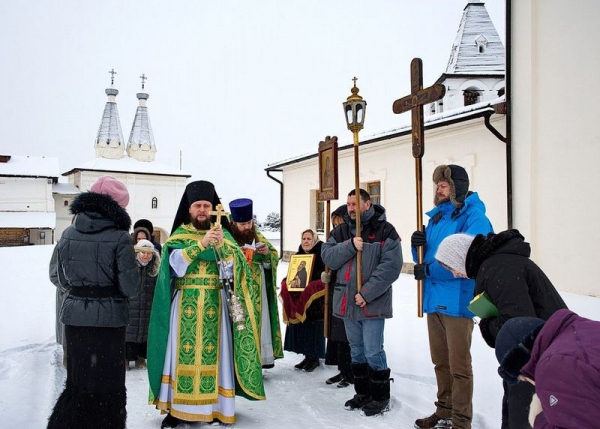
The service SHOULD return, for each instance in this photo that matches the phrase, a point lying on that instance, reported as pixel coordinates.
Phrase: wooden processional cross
(414, 102)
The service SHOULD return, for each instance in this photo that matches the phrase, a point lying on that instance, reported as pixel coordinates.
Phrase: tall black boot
(362, 386)
(380, 393)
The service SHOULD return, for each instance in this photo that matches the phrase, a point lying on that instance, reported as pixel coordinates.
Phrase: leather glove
(325, 277)
(418, 239)
(420, 271)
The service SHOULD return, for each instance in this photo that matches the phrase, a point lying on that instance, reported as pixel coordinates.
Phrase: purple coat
(565, 364)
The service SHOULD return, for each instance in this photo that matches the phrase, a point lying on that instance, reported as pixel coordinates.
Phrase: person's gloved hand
(420, 272)
(418, 239)
(325, 277)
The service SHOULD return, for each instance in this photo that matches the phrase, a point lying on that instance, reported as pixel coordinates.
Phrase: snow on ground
(32, 377)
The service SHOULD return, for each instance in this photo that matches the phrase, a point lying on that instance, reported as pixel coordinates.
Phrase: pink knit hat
(112, 187)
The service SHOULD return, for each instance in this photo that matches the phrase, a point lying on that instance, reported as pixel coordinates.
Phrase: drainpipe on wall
(281, 213)
(508, 74)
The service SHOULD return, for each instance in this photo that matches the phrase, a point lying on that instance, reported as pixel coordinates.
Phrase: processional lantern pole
(354, 110)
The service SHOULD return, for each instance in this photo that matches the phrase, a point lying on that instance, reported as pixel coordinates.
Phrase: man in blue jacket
(445, 298)
(364, 312)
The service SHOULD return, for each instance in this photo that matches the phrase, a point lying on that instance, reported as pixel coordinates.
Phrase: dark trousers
(515, 405)
(94, 396)
(338, 353)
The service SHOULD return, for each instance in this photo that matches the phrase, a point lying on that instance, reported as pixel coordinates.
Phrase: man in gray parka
(364, 312)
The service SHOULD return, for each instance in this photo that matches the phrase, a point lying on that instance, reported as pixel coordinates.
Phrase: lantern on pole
(354, 110)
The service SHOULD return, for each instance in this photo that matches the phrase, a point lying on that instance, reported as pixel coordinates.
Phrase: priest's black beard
(244, 237)
(200, 225)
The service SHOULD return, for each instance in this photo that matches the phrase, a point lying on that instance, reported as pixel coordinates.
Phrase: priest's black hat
(196, 191)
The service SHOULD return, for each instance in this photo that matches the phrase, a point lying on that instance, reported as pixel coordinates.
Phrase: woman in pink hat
(94, 263)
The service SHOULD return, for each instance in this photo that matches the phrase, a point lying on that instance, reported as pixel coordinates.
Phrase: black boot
(170, 422)
(312, 364)
(362, 386)
(303, 362)
(335, 379)
(380, 393)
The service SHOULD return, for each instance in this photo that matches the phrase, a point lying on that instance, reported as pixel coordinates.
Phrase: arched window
(471, 96)
(481, 43)
(154, 203)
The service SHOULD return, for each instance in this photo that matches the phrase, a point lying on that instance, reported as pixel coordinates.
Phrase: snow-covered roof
(476, 30)
(433, 121)
(65, 189)
(128, 165)
(27, 220)
(30, 166)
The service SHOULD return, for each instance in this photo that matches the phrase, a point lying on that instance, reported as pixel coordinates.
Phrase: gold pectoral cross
(219, 213)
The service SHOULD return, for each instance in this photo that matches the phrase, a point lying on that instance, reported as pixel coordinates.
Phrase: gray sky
(234, 85)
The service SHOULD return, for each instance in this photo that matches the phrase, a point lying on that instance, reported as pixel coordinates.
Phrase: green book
(483, 306)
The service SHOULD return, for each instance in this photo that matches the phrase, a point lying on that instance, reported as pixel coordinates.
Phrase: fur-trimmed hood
(95, 212)
(142, 229)
(482, 247)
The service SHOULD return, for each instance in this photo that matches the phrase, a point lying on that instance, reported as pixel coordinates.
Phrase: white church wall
(301, 182)
(63, 215)
(166, 189)
(468, 144)
(556, 145)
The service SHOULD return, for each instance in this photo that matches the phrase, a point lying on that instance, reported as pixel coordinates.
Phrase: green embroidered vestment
(198, 330)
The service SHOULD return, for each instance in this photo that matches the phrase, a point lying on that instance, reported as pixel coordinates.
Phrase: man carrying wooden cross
(445, 298)
(196, 364)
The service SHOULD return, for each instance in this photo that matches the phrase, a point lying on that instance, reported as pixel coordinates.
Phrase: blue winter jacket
(442, 293)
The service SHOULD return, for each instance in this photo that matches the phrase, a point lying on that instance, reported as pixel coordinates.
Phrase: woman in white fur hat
(148, 261)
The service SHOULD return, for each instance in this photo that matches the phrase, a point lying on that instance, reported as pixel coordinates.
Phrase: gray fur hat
(452, 251)
(457, 178)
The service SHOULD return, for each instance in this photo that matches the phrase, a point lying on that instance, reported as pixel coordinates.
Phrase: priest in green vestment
(198, 360)
(263, 259)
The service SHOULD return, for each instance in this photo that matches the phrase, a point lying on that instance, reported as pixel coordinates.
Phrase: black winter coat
(95, 264)
(501, 267)
(140, 305)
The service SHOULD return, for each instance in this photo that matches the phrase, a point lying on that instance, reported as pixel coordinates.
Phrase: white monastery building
(528, 141)
(34, 203)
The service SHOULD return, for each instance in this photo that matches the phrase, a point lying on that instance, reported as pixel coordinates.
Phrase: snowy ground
(31, 375)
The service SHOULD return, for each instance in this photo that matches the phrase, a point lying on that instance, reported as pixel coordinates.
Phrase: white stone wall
(556, 143)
